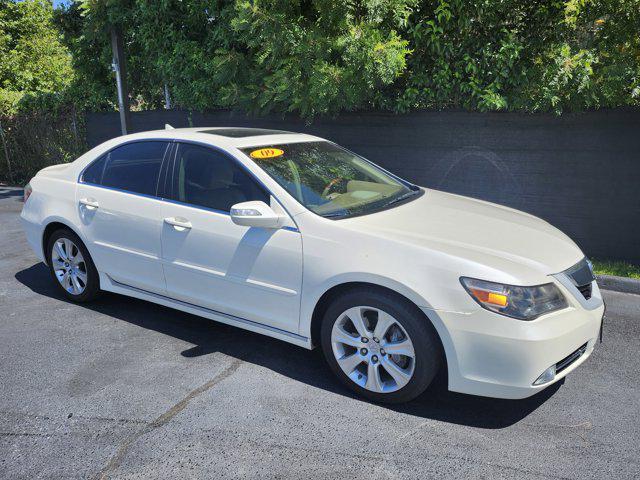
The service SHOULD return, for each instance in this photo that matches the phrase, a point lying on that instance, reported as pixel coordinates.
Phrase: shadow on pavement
(294, 362)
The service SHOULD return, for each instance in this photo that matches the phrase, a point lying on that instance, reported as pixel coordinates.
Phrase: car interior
(209, 179)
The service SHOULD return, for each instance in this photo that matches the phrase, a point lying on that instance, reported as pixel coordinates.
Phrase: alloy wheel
(69, 266)
(373, 349)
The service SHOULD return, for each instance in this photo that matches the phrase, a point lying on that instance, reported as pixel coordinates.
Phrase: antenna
(168, 127)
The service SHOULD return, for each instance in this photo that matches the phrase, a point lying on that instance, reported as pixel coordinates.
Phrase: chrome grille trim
(569, 360)
(585, 290)
(581, 275)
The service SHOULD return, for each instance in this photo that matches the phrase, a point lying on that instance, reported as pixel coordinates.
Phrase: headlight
(523, 303)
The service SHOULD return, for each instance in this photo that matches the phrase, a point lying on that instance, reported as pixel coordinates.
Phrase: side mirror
(255, 214)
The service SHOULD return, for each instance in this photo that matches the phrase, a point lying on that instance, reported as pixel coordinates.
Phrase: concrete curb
(619, 284)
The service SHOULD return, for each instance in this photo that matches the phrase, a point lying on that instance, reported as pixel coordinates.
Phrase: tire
(399, 320)
(64, 268)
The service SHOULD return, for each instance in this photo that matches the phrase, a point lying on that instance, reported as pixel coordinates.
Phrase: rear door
(251, 273)
(121, 214)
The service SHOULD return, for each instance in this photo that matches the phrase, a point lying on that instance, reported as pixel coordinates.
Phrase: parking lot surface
(121, 388)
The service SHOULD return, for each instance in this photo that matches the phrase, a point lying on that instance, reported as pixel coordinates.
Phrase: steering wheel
(330, 185)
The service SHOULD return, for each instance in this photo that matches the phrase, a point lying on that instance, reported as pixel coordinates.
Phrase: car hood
(483, 233)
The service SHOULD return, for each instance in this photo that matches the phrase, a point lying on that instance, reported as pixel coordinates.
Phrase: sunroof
(242, 132)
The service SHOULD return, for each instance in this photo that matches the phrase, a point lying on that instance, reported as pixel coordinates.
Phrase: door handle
(178, 222)
(90, 203)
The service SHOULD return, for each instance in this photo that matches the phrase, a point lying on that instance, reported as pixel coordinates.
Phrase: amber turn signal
(490, 297)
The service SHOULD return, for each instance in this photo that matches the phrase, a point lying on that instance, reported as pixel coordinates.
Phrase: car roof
(238, 137)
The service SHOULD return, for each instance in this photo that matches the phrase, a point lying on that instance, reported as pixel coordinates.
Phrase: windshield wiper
(401, 198)
(363, 209)
(334, 215)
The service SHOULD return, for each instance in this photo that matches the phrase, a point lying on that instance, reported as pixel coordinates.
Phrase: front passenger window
(208, 178)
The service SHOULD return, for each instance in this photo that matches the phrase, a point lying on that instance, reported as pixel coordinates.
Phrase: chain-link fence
(30, 142)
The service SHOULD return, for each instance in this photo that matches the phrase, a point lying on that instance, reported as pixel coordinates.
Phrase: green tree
(33, 61)
(93, 87)
(311, 57)
(316, 57)
(522, 55)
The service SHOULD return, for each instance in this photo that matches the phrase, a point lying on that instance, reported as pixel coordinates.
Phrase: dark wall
(580, 172)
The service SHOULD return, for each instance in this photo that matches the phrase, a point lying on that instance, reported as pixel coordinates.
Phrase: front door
(252, 273)
(121, 215)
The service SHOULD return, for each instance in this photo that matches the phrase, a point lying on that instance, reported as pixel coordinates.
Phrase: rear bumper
(33, 230)
(495, 356)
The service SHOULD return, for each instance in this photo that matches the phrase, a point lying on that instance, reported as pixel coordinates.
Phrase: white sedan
(294, 237)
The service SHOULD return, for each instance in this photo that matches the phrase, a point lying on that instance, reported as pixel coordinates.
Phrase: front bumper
(496, 356)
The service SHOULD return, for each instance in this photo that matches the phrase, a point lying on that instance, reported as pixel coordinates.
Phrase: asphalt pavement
(121, 388)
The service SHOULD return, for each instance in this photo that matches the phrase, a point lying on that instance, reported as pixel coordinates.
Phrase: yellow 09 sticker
(266, 153)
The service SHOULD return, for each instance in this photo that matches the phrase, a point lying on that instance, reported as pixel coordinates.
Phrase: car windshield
(330, 180)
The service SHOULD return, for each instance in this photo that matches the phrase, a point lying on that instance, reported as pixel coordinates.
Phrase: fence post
(6, 153)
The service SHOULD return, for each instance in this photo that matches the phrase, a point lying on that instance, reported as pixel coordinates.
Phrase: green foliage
(34, 65)
(93, 86)
(517, 55)
(317, 57)
(321, 57)
(36, 80)
(37, 139)
(616, 268)
(273, 55)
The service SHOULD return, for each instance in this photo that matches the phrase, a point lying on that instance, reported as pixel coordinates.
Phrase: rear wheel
(71, 266)
(380, 345)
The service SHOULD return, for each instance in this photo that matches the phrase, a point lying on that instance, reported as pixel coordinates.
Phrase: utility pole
(119, 68)
(167, 97)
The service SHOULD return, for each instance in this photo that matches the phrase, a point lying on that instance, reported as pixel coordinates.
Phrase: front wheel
(380, 345)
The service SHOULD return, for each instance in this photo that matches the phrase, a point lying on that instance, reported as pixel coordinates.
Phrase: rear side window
(93, 173)
(134, 167)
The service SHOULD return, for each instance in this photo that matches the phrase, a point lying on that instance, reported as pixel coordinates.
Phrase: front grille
(581, 275)
(585, 290)
(567, 361)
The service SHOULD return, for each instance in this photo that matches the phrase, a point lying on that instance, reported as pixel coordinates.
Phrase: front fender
(311, 298)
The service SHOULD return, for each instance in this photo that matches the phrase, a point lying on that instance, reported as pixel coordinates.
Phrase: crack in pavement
(73, 418)
(110, 419)
(121, 453)
(26, 434)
